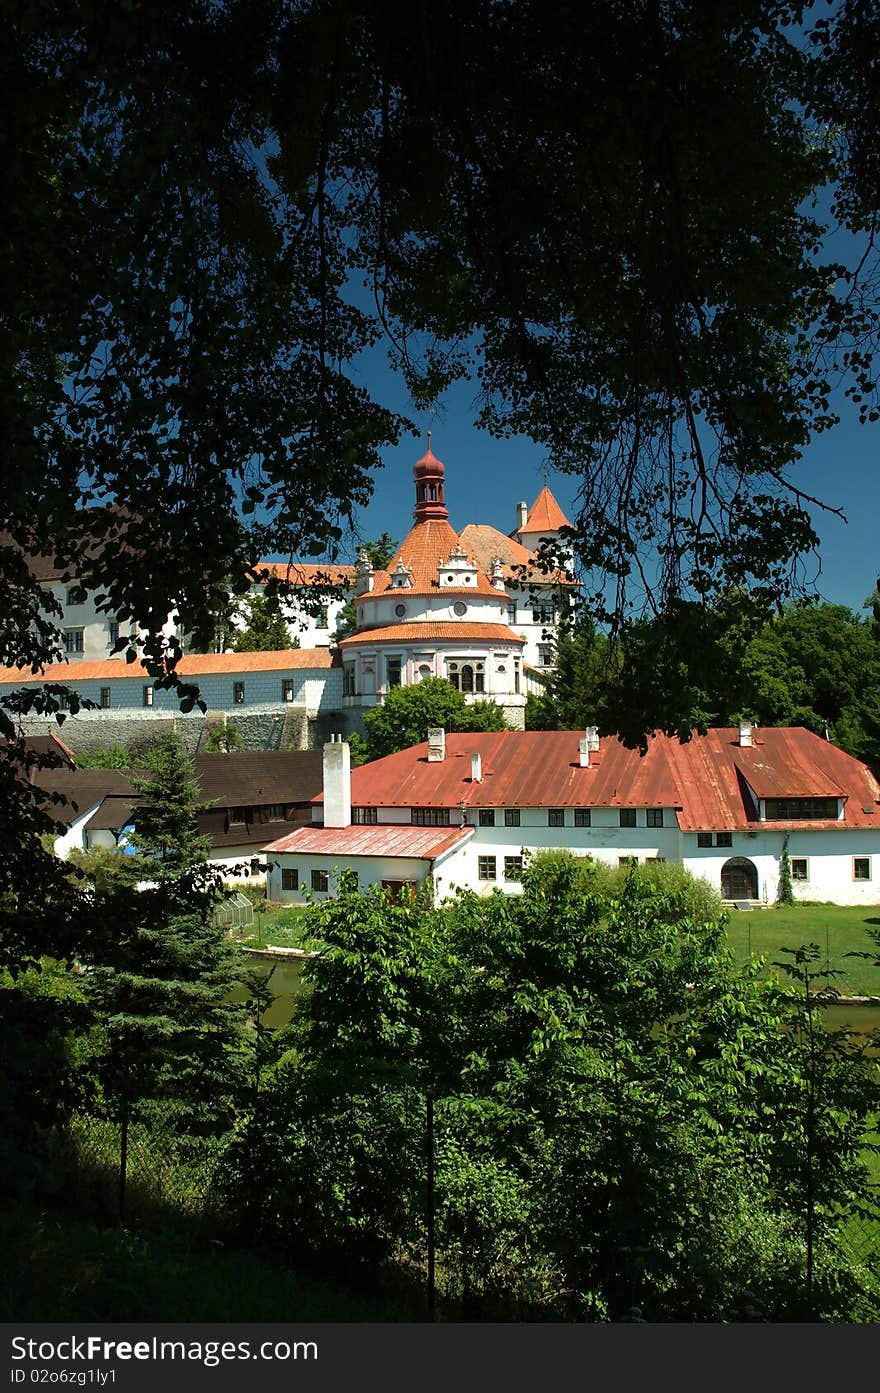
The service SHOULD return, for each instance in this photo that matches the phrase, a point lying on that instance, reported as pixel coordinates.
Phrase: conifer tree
(176, 1043)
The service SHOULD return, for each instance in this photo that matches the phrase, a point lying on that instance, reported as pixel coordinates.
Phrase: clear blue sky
(485, 478)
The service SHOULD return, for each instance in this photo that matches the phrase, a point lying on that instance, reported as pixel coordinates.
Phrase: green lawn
(277, 926)
(837, 929)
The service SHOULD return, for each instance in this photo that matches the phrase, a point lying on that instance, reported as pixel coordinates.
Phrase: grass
(277, 926)
(837, 929)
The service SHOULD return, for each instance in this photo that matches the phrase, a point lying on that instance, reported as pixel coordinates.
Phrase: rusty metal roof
(699, 779)
(420, 843)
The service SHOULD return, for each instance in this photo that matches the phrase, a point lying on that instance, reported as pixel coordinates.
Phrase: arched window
(467, 677)
(739, 879)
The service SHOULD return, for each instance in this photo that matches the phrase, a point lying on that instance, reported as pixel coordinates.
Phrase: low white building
(466, 810)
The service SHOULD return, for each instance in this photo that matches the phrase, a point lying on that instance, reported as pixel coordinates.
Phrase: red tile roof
(191, 665)
(310, 573)
(421, 843)
(541, 769)
(420, 551)
(424, 631)
(545, 514)
(484, 543)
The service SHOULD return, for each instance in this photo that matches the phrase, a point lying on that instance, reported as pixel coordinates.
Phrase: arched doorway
(739, 879)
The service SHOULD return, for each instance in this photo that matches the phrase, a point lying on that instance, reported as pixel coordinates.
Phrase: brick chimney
(337, 783)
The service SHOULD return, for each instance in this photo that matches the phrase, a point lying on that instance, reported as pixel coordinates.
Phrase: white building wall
(829, 855)
(371, 870)
(97, 637)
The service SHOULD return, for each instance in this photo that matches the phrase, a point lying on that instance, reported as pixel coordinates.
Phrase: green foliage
(265, 630)
(162, 972)
(166, 831)
(103, 867)
(786, 893)
(380, 551)
(223, 739)
(408, 713)
(106, 757)
(621, 1116)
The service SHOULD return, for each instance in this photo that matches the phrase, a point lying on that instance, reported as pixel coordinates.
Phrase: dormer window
(401, 577)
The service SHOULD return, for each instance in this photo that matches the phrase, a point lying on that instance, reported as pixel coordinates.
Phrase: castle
(479, 607)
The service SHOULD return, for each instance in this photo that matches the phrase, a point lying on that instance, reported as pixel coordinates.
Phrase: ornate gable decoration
(459, 571)
(401, 577)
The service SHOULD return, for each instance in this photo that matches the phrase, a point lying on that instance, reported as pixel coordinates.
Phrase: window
(364, 817)
(861, 868)
(654, 817)
(583, 817)
(543, 614)
(513, 867)
(800, 809)
(555, 817)
(704, 839)
(516, 676)
(486, 867)
(323, 618)
(724, 839)
(74, 640)
(237, 817)
(287, 690)
(545, 655)
(467, 677)
(627, 860)
(487, 817)
(800, 869)
(627, 817)
(511, 817)
(511, 614)
(76, 595)
(429, 817)
(392, 672)
(400, 611)
(105, 697)
(459, 608)
(320, 881)
(238, 693)
(348, 680)
(148, 696)
(112, 634)
(289, 879)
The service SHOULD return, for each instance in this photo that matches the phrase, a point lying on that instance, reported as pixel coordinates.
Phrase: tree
(163, 972)
(265, 630)
(624, 1120)
(407, 714)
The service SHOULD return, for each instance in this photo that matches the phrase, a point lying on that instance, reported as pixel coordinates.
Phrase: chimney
(436, 745)
(522, 516)
(476, 769)
(745, 734)
(337, 783)
(593, 738)
(584, 752)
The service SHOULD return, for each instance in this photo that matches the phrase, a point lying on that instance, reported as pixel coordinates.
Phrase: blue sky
(485, 478)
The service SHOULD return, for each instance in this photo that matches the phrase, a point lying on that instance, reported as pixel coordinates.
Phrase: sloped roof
(420, 551)
(484, 543)
(545, 514)
(252, 777)
(311, 573)
(191, 665)
(425, 631)
(699, 779)
(420, 843)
